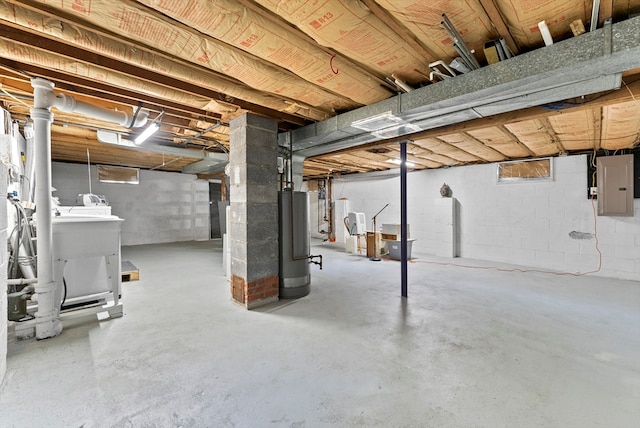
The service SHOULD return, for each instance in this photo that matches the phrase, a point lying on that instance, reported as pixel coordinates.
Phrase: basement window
(525, 170)
(118, 174)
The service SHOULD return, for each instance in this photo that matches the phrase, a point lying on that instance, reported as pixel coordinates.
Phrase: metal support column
(403, 217)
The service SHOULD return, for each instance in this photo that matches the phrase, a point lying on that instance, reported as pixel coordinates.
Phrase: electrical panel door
(615, 185)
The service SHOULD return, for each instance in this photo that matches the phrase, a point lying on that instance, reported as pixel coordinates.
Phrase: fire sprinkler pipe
(47, 317)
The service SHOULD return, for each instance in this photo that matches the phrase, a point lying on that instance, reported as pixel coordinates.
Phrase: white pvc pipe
(47, 322)
(47, 317)
(71, 105)
(29, 172)
(21, 281)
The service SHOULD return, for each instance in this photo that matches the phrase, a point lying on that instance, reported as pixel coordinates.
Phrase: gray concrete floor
(469, 348)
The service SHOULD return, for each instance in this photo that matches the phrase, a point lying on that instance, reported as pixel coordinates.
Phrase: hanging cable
(135, 115)
(597, 248)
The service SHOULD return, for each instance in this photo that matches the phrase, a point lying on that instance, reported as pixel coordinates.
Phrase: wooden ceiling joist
(113, 62)
(400, 30)
(548, 128)
(35, 40)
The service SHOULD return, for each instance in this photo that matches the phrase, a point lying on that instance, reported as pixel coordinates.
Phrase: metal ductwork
(209, 162)
(590, 63)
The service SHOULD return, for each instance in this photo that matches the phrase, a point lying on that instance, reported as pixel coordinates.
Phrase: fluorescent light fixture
(399, 162)
(148, 132)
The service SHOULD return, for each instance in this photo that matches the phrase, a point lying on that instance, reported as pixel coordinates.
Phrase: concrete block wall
(200, 208)
(3, 273)
(547, 225)
(163, 207)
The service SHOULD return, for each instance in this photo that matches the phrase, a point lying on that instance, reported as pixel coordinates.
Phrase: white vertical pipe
(546, 34)
(47, 322)
(29, 170)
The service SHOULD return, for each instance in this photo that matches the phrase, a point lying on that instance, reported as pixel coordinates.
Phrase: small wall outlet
(593, 191)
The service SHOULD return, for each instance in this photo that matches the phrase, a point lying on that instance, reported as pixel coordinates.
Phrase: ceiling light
(148, 132)
(399, 162)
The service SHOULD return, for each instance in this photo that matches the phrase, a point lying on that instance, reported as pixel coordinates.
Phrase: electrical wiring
(629, 89)
(166, 163)
(573, 102)
(22, 237)
(64, 290)
(597, 248)
(12, 96)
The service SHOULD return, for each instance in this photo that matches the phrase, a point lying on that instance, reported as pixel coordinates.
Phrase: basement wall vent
(118, 174)
(525, 170)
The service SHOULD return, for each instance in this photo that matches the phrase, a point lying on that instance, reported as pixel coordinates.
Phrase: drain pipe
(47, 317)
(47, 322)
(70, 105)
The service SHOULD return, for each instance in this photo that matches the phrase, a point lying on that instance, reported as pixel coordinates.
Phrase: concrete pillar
(253, 234)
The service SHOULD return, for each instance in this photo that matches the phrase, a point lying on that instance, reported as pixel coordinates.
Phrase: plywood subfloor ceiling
(201, 63)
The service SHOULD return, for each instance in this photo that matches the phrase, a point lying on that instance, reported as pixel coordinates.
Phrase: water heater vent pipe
(47, 317)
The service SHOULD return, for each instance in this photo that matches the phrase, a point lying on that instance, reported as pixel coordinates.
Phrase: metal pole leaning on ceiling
(459, 43)
(403, 217)
(47, 322)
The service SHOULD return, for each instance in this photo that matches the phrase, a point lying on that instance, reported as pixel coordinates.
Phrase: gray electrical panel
(615, 185)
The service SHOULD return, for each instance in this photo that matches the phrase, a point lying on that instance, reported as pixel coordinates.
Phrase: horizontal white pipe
(21, 281)
(71, 105)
